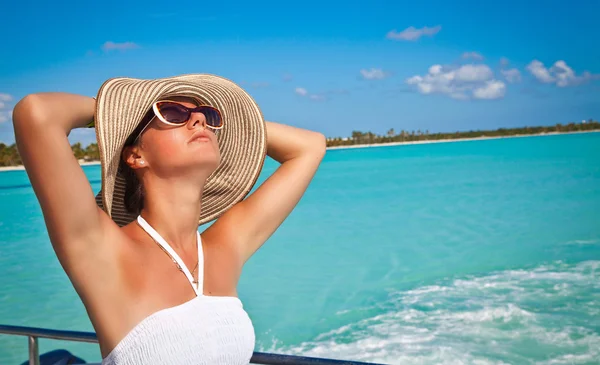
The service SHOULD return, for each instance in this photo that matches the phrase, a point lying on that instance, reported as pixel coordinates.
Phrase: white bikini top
(205, 330)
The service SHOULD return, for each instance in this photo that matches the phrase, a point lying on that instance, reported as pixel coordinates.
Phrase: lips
(200, 136)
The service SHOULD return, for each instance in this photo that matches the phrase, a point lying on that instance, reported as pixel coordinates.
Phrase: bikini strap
(175, 257)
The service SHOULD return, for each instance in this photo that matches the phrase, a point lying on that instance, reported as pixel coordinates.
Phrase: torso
(142, 281)
(206, 330)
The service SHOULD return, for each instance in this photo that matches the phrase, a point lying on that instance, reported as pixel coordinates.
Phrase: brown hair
(134, 191)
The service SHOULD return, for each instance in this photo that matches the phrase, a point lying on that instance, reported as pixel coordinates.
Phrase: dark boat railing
(33, 334)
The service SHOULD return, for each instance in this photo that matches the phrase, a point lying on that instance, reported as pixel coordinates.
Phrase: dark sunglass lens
(173, 113)
(213, 118)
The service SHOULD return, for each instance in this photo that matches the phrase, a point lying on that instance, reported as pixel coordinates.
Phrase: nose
(197, 119)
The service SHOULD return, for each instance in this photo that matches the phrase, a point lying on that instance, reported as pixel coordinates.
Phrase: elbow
(27, 112)
(318, 144)
(322, 143)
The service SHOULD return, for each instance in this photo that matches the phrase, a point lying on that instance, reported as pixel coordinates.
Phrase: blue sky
(328, 66)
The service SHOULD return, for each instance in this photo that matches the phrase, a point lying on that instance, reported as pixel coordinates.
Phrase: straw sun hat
(122, 103)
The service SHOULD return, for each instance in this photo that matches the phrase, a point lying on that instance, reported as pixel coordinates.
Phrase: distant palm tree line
(9, 156)
(391, 136)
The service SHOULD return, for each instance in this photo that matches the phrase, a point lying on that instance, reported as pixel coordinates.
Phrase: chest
(152, 273)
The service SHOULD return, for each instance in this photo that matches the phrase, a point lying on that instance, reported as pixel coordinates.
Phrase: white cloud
(462, 83)
(512, 75)
(301, 91)
(316, 97)
(5, 112)
(5, 117)
(473, 73)
(492, 89)
(560, 74)
(413, 34)
(472, 55)
(374, 74)
(537, 69)
(304, 93)
(111, 46)
(565, 76)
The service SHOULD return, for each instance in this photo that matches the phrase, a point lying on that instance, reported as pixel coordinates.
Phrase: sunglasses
(173, 113)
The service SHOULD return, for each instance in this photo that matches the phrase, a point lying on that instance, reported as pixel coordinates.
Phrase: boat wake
(549, 315)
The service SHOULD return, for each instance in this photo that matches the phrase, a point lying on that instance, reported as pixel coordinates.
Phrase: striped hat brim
(123, 102)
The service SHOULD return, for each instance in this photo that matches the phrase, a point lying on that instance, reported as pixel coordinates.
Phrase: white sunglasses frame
(158, 115)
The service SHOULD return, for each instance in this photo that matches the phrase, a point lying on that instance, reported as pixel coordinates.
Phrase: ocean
(476, 252)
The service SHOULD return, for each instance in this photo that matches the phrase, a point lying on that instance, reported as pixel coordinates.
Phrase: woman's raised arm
(252, 221)
(42, 123)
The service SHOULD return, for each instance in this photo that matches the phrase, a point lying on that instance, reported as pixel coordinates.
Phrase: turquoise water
(479, 252)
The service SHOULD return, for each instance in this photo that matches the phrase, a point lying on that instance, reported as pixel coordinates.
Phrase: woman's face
(170, 150)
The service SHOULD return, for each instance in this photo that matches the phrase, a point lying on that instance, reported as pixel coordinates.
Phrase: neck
(172, 208)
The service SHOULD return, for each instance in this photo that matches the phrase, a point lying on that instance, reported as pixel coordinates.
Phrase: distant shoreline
(389, 144)
(20, 167)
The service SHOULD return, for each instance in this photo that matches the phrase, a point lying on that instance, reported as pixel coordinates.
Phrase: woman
(175, 153)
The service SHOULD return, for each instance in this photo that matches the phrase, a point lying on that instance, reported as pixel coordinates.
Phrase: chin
(203, 154)
(208, 162)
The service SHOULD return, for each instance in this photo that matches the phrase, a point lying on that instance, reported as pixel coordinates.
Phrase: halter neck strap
(175, 257)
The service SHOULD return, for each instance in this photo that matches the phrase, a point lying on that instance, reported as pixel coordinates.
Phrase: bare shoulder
(222, 239)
